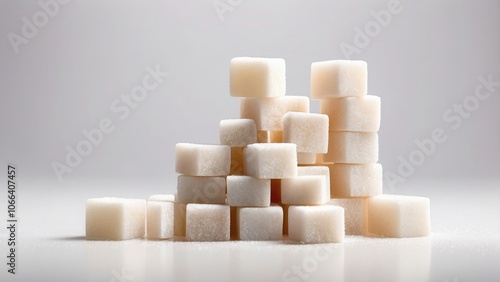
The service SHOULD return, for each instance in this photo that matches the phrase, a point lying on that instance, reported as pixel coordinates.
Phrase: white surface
(464, 244)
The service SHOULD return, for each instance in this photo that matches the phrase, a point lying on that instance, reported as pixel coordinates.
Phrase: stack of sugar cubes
(278, 170)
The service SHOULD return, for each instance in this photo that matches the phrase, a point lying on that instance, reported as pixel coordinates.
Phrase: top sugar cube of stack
(338, 78)
(257, 77)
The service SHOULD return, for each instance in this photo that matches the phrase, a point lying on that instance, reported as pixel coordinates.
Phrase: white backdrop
(64, 67)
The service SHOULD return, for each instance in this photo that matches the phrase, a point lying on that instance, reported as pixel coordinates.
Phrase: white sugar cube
(247, 191)
(308, 130)
(352, 147)
(260, 224)
(316, 224)
(360, 114)
(202, 160)
(236, 161)
(201, 189)
(305, 190)
(399, 216)
(207, 222)
(317, 170)
(355, 180)
(271, 160)
(180, 219)
(338, 78)
(237, 132)
(355, 214)
(268, 112)
(306, 158)
(160, 219)
(115, 218)
(257, 77)
(162, 198)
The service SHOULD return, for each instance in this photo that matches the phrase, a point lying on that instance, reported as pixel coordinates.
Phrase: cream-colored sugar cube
(352, 147)
(247, 191)
(316, 224)
(355, 180)
(270, 160)
(260, 224)
(398, 216)
(268, 112)
(361, 114)
(237, 132)
(207, 222)
(338, 78)
(355, 212)
(201, 189)
(308, 130)
(202, 160)
(317, 170)
(115, 218)
(160, 219)
(306, 158)
(257, 77)
(305, 190)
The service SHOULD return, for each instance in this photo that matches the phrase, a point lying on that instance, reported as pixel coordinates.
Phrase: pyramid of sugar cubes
(278, 170)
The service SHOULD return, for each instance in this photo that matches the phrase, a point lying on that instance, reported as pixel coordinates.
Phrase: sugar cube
(160, 219)
(258, 224)
(180, 219)
(317, 170)
(355, 180)
(268, 112)
(338, 78)
(309, 131)
(201, 189)
(399, 216)
(360, 114)
(257, 77)
(206, 222)
(247, 191)
(237, 132)
(355, 213)
(304, 190)
(352, 147)
(316, 224)
(202, 160)
(115, 218)
(271, 160)
(306, 158)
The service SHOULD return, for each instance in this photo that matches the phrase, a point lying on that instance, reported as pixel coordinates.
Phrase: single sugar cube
(355, 180)
(308, 130)
(271, 160)
(338, 78)
(160, 219)
(355, 214)
(180, 219)
(115, 218)
(316, 224)
(236, 161)
(162, 198)
(202, 160)
(398, 216)
(306, 158)
(305, 190)
(361, 114)
(237, 132)
(257, 77)
(317, 170)
(352, 147)
(201, 189)
(247, 191)
(207, 222)
(260, 224)
(268, 112)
